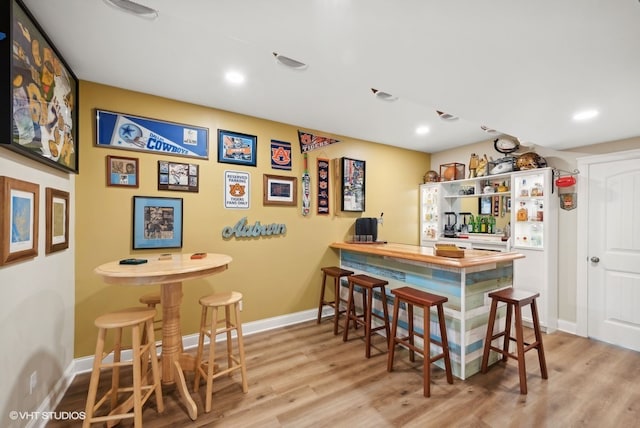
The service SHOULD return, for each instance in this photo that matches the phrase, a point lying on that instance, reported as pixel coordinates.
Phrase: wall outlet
(33, 382)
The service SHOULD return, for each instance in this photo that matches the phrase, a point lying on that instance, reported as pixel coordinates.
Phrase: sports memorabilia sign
(310, 142)
(127, 132)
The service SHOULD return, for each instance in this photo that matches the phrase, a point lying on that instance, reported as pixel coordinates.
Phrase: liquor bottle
(522, 214)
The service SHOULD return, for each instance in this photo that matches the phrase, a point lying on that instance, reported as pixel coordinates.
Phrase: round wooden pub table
(169, 274)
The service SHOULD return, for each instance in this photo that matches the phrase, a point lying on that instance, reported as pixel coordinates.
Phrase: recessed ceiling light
(384, 96)
(585, 115)
(422, 130)
(290, 62)
(446, 116)
(234, 77)
(134, 8)
(488, 130)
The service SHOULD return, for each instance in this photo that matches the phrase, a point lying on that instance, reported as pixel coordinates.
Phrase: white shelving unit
(533, 234)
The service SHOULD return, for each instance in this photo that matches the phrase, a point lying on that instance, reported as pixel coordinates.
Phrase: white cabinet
(524, 209)
(534, 220)
(429, 213)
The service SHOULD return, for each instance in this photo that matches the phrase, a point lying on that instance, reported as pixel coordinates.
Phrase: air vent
(289, 62)
(446, 116)
(133, 7)
(384, 96)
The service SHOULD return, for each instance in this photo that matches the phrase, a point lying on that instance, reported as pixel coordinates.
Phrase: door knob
(595, 259)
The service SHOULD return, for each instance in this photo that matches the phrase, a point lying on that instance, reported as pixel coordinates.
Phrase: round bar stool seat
(412, 297)
(368, 285)
(226, 325)
(144, 351)
(515, 300)
(336, 273)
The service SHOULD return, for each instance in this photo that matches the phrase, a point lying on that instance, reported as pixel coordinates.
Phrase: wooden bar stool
(143, 351)
(424, 300)
(152, 300)
(515, 299)
(367, 284)
(208, 368)
(336, 273)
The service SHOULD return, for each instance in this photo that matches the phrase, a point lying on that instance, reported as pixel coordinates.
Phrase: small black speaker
(367, 226)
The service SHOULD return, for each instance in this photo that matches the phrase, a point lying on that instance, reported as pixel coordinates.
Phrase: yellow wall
(278, 275)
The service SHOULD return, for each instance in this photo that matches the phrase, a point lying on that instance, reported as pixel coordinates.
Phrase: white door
(613, 252)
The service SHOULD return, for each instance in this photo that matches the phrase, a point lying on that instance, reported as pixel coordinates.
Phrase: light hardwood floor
(304, 376)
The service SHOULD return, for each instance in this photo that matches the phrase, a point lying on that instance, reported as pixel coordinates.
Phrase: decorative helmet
(430, 176)
(530, 160)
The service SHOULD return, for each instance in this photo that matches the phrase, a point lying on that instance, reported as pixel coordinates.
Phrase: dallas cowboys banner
(121, 131)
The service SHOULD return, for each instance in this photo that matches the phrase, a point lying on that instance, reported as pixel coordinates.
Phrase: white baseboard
(85, 364)
(567, 327)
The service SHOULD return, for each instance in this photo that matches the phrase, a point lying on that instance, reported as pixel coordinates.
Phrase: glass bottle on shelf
(523, 213)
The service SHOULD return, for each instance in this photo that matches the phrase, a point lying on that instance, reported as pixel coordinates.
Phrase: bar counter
(464, 281)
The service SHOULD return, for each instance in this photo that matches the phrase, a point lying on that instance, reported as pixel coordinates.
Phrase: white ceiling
(520, 67)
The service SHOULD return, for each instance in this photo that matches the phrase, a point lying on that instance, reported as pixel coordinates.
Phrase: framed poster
(157, 222)
(129, 132)
(279, 190)
(234, 147)
(18, 219)
(43, 107)
(57, 221)
(178, 176)
(122, 172)
(353, 184)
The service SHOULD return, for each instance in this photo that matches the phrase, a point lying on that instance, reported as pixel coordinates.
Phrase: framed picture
(18, 219)
(178, 176)
(485, 205)
(141, 134)
(237, 148)
(353, 184)
(57, 221)
(279, 190)
(157, 222)
(43, 119)
(122, 172)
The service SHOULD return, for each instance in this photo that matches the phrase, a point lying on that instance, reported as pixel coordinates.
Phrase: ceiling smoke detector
(446, 116)
(384, 96)
(488, 130)
(134, 8)
(290, 62)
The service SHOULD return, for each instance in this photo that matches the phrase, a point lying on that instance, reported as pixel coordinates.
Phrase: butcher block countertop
(427, 254)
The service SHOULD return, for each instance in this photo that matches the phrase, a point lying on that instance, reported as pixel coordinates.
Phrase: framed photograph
(141, 134)
(279, 190)
(178, 176)
(237, 148)
(43, 119)
(122, 172)
(157, 222)
(18, 219)
(353, 184)
(57, 221)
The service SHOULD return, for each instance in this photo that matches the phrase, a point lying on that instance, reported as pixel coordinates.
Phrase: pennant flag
(310, 142)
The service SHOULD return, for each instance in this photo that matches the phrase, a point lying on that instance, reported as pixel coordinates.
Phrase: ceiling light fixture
(446, 116)
(384, 96)
(134, 8)
(422, 130)
(585, 115)
(234, 77)
(290, 62)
